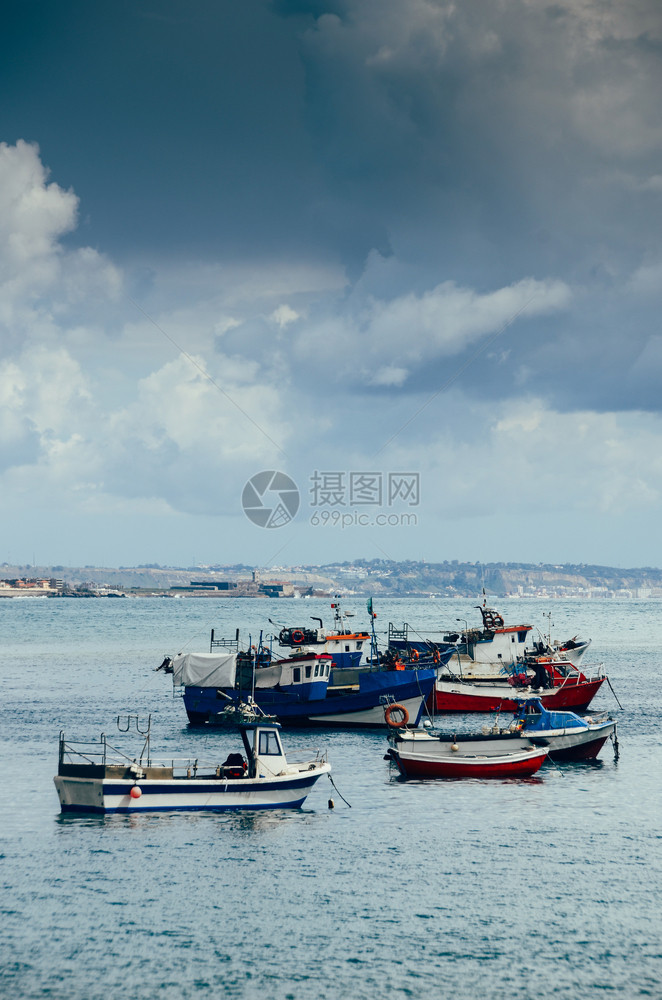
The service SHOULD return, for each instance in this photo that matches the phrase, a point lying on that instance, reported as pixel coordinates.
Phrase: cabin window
(268, 745)
(347, 649)
(308, 670)
(296, 675)
(359, 644)
(327, 670)
(512, 638)
(521, 636)
(317, 669)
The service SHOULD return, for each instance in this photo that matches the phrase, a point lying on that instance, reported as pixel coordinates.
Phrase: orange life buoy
(390, 710)
(297, 635)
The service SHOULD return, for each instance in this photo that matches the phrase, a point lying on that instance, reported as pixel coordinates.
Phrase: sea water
(544, 887)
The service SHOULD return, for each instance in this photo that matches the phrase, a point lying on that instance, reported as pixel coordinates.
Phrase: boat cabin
(534, 717)
(346, 646)
(264, 749)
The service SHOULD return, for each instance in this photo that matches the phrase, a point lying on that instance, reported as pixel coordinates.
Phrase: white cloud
(647, 279)
(40, 281)
(389, 375)
(283, 316)
(33, 214)
(413, 329)
(109, 417)
(525, 458)
(44, 390)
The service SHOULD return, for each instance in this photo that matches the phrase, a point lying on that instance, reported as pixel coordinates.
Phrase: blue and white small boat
(567, 736)
(98, 778)
(564, 735)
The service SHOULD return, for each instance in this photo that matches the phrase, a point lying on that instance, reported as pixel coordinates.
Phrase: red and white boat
(467, 763)
(569, 688)
(499, 663)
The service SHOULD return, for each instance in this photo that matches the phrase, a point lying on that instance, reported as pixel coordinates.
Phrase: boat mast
(374, 655)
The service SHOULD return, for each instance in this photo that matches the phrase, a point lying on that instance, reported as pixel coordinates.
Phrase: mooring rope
(339, 793)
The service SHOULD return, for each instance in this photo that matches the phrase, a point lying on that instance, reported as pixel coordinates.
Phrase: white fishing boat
(493, 651)
(96, 777)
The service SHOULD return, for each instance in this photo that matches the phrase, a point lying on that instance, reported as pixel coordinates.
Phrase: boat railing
(595, 718)
(101, 753)
(307, 756)
(399, 634)
(75, 751)
(598, 668)
(591, 671)
(219, 642)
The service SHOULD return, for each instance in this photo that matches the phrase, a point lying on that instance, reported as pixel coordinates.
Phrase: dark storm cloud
(473, 137)
(482, 133)
(473, 143)
(484, 143)
(178, 124)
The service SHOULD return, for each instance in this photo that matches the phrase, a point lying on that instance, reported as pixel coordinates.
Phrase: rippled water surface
(517, 889)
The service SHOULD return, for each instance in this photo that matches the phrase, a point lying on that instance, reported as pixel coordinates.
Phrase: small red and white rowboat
(464, 764)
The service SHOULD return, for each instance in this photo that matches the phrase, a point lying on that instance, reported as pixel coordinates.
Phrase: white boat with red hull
(568, 690)
(467, 762)
(564, 735)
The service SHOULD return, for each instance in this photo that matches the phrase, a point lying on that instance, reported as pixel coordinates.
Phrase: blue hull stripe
(219, 787)
(213, 808)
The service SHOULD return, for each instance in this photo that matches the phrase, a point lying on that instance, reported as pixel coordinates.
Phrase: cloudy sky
(331, 238)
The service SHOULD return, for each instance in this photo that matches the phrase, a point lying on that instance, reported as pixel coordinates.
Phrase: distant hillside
(501, 579)
(380, 576)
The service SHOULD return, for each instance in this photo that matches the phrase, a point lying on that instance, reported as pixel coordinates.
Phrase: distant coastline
(379, 578)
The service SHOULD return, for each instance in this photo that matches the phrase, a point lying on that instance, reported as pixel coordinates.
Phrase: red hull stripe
(575, 696)
(512, 628)
(343, 638)
(462, 769)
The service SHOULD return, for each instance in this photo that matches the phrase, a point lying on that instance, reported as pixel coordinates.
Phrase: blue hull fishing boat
(303, 689)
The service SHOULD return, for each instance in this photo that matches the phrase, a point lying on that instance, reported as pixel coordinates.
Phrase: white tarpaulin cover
(217, 670)
(268, 677)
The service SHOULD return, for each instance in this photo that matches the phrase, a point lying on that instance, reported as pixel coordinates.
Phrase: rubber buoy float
(135, 792)
(396, 716)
